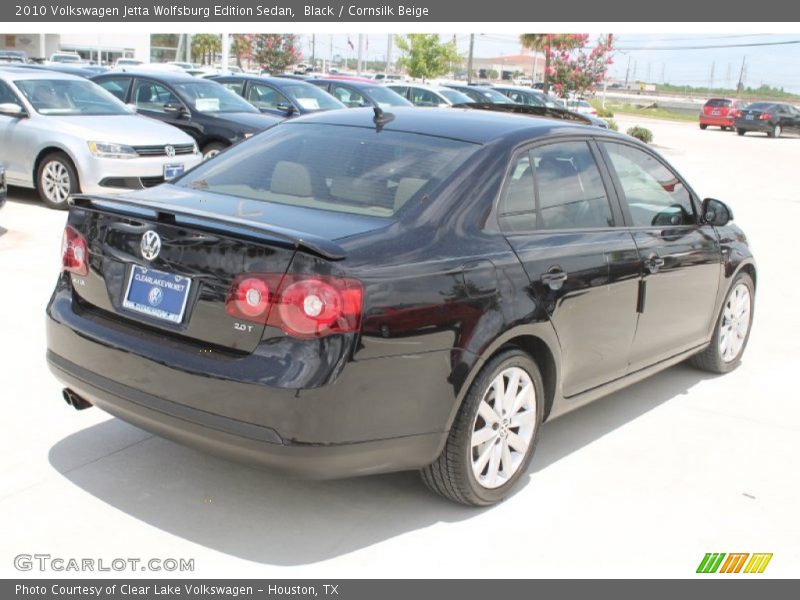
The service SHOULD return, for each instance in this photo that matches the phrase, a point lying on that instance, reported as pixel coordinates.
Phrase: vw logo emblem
(155, 296)
(169, 151)
(150, 245)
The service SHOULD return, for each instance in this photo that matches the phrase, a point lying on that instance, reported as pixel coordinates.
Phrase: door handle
(554, 278)
(654, 263)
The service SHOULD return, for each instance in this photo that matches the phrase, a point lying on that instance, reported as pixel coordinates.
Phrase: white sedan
(63, 134)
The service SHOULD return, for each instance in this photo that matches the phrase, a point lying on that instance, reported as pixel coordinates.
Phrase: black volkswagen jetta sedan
(355, 292)
(212, 114)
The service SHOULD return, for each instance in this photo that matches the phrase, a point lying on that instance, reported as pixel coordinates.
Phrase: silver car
(63, 134)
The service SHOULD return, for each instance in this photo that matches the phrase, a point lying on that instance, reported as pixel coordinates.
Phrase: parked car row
(67, 128)
(772, 118)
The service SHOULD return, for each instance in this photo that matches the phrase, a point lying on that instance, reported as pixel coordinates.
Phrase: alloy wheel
(56, 182)
(504, 427)
(735, 322)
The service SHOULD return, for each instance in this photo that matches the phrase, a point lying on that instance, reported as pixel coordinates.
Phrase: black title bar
(359, 11)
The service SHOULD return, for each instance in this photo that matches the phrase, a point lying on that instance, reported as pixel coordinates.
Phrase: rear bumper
(244, 442)
(763, 126)
(716, 121)
(378, 415)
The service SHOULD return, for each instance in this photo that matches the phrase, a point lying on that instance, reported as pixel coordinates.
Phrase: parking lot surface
(641, 483)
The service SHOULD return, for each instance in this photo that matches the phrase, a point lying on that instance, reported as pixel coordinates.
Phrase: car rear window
(357, 170)
(719, 102)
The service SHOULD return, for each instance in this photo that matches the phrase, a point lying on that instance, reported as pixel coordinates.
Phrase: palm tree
(545, 42)
(206, 44)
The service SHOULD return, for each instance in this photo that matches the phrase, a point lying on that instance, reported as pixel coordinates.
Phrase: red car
(719, 112)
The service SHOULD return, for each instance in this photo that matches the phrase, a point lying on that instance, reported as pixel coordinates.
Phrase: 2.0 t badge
(150, 245)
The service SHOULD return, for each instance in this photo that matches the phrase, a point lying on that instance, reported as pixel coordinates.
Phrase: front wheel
(732, 330)
(703, 125)
(211, 149)
(56, 180)
(494, 434)
(776, 132)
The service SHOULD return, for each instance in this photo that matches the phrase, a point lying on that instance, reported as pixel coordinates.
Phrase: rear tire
(492, 439)
(56, 180)
(732, 332)
(740, 132)
(703, 126)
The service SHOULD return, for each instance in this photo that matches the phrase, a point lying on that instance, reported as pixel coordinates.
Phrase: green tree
(547, 43)
(425, 56)
(205, 46)
(242, 47)
(275, 51)
(492, 74)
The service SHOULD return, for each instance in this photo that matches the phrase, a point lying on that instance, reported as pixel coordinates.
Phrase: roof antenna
(381, 118)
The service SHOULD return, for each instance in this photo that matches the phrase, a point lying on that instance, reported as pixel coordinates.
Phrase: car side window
(237, 87)
(150, 95)
(570, 193)
(422, 97)
(349, 97)
(7, 96)
(517, 210)
(118, 86)
(264, 96)
(654, 194)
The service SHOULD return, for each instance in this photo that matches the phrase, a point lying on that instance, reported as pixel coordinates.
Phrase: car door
(681, 257)
(13, 134)
(559, 214)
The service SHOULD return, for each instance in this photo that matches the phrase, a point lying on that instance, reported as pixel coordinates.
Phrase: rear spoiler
(533, 111)
(174, 215)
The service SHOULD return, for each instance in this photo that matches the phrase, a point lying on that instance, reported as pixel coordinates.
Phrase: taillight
(74, 252)
(737, 114)
(302, 306)
(765, 117)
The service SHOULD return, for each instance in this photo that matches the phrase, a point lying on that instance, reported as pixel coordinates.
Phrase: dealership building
(108, 46)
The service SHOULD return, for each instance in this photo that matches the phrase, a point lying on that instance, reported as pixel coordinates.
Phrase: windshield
(385, 97)
(69, 97)
(718, 102)
(310, 97)
(456, 97)
(761, 106)
(211, 97)
(356, 170)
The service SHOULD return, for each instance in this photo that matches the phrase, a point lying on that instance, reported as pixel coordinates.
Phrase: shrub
(641, 133)
(612, 124)
(603, 113)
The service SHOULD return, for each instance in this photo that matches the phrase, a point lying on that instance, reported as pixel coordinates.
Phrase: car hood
(251, 121)
(131, 130)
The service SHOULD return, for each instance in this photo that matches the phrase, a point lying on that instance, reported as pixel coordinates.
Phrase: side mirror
(174, 109)
(132, 108)
(716, 212)
(287, 108)
(11, 109)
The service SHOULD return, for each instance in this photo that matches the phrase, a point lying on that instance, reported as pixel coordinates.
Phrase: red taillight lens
(737, 114)
(74, 252)
(250, 296)
(302, 306)
(765, 117)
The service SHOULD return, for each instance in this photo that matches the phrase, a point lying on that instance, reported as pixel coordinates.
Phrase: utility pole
(359, 68)
(388, 51)
(711, 78)
(314, 51)
(627, 71)
(740, 85)
(469, 58)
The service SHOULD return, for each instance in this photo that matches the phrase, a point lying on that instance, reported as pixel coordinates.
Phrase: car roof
(350, 82)
(20, 73)
(276, 81)
(164, 76)
(470, 125)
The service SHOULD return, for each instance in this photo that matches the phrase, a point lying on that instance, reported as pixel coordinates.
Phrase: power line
(708, 47)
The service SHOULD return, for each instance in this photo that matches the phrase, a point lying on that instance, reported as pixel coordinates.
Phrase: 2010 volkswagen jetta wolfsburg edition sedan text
(62, 134)
(356, 292)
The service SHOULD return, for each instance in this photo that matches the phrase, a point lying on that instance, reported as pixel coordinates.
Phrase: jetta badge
(169, 151)
(150, 245)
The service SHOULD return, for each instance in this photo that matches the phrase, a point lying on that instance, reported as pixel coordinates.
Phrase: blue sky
(659, 55)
